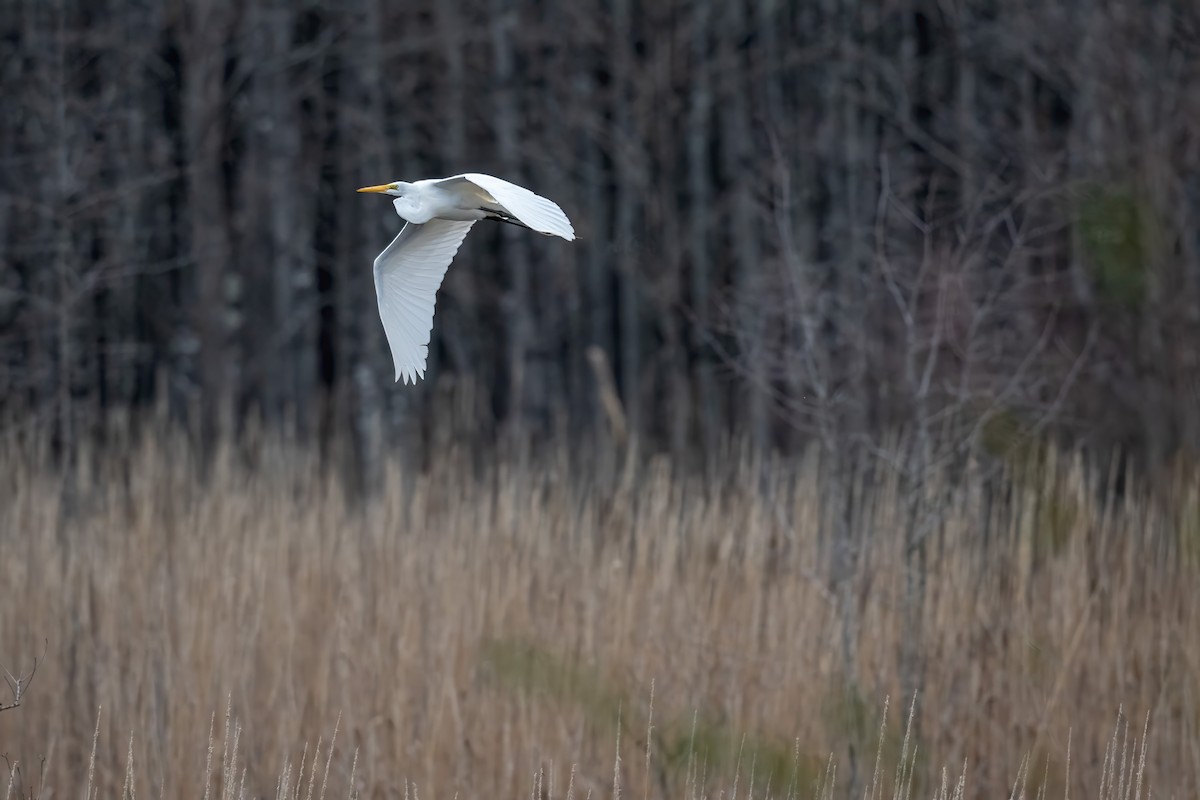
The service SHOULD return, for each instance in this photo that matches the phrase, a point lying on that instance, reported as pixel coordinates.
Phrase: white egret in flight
(439, 212)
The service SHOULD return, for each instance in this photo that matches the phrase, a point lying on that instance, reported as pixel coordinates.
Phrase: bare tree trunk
(736, 154)
(794, 177)
(700, 220)
(460, 331)
(676, 408)
(63, 246)
(965, 75)
(599, 258)
(518, 311)
(117, 364)
(360, 120)
(453, 98)
(202, 40)
(858, 157)
(624, 152)
(262, 335)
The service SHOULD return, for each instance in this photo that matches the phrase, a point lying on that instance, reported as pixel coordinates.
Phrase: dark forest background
(972, 221)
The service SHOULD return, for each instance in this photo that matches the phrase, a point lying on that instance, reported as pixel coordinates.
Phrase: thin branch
(19, 684)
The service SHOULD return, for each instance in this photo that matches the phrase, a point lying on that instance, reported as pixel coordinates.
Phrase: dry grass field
(489, 630)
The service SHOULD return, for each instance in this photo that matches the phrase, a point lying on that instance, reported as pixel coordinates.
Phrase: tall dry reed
(483, 628)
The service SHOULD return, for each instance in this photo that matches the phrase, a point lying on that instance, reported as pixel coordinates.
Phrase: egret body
(438, 213)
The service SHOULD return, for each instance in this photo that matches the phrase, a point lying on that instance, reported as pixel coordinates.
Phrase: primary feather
(540, 214)
(407, 276)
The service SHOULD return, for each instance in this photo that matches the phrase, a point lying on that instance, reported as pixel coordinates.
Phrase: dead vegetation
(481, 630)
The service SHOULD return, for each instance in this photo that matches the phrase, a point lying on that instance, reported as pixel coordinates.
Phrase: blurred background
(795, 218)
(875, 371)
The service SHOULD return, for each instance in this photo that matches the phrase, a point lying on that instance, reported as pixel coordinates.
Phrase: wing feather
(408, 274)
(534, 210)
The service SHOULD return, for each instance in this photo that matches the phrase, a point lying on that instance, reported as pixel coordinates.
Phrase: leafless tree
(799, 222)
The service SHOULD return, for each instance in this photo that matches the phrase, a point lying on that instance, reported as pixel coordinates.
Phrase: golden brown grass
(482, 632)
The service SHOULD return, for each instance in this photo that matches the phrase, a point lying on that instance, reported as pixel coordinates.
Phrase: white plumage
(439, 213)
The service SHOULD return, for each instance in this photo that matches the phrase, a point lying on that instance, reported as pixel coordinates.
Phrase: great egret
(439, 212)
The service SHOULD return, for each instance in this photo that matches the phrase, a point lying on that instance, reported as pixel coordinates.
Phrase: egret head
(395, 189)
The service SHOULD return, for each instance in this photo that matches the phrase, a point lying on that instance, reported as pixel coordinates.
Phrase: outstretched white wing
(543, 215)
(407, 276)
